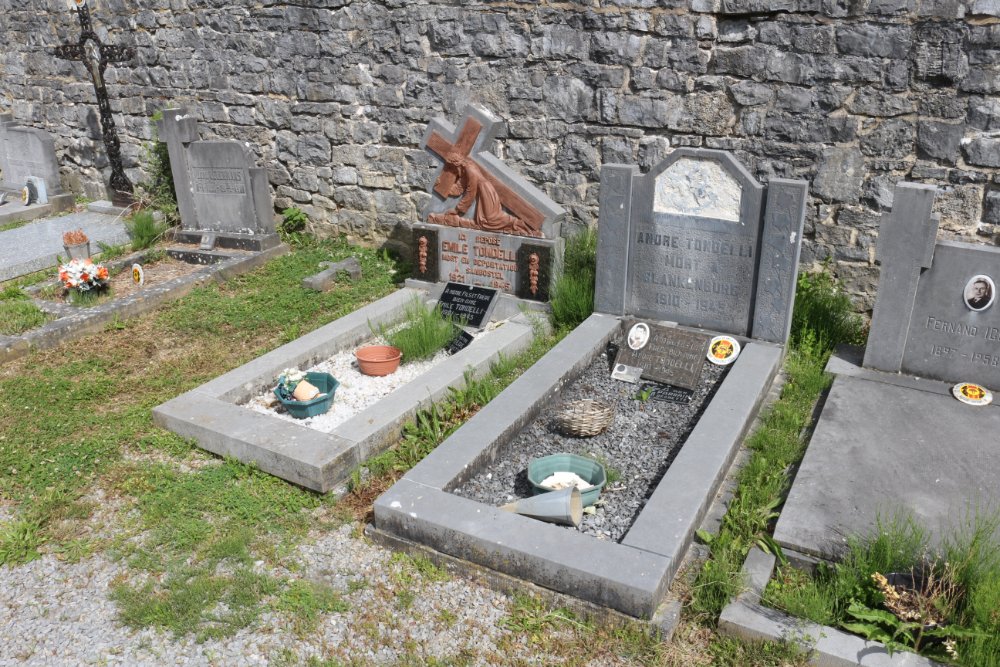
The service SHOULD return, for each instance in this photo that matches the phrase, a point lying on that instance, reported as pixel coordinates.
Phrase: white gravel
(356, 392)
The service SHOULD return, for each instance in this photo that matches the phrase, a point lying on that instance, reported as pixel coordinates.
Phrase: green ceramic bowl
(588, 469)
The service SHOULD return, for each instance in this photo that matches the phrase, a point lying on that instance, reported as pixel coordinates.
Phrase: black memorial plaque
(534, 264)
(669, 356)
(668, 393)
(460, 341)
(472, 305)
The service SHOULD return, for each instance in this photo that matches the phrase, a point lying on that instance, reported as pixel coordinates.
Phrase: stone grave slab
(473, 305)
(891, 437)
(880, 449)
(212, 414)
(665, 354)
(653, 231)
(485, 224)
(219, 191)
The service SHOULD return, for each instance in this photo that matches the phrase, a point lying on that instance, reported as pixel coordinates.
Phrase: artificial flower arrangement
(83, 275)
(74, 237)
(295, 386)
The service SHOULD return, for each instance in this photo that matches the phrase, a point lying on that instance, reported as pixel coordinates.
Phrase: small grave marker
(25, 154)
(669, 394)
(472, 305)
(460, 341)
(668, 355)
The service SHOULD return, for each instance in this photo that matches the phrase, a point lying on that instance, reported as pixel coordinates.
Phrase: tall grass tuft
(424, 331)
(573, 292)
(824, 314)
(144, 230)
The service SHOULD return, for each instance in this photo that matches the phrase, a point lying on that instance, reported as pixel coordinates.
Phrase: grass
(197, 524)
(777, 445)
(423, 332)
(967, 565)
(13, 224)
(573, 292)
(17, 313)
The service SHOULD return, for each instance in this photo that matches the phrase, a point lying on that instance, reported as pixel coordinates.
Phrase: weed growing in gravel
(144, 229)
(423, 332)
(306, 600)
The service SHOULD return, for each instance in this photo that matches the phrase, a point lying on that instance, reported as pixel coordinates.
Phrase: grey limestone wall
(333, 96)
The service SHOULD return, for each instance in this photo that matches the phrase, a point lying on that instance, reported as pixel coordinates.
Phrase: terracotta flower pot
(378, 360)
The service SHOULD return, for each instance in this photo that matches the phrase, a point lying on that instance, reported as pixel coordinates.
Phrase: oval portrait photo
(638, 336)
(980, 292)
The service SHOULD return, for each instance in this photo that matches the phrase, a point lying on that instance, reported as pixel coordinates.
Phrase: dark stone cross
(96, 55)
(463, 144)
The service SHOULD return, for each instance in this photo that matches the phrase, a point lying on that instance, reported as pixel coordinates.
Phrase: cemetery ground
(123, 543)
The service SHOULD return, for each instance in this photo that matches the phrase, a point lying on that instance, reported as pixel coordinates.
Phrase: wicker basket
(584, 418)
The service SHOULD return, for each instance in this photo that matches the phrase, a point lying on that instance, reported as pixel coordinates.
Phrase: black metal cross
(96, 55)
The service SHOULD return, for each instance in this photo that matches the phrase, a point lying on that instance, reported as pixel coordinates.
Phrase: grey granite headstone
(905, 247)
(25, 152)
(924, 323)
(466, 251)
(689, 235)
(218, 191)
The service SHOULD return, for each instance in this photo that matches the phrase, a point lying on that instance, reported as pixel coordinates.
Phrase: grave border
(83, 321)
(632, 576)
(745, 617)
(320, 461)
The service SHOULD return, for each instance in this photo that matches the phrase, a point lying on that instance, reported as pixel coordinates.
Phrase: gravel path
(639, 445)
(54, 613)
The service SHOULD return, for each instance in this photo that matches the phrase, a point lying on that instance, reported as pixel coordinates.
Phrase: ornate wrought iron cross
(96, 55)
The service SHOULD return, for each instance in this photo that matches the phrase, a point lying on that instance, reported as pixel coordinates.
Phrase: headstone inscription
(218, 191)
(26, 152)
(486, 225)
(472, 305)
(665, 354)
(97, 55)
(936, 314)
(704, 245)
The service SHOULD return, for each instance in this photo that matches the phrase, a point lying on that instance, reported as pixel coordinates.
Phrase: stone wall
(333, 97)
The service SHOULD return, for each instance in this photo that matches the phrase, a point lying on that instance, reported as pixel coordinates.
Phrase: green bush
(293, 221)
(573, 293)
(423, 332)
(144, 230)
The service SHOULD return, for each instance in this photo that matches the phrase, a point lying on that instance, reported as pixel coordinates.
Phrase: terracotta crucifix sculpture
(470, 182)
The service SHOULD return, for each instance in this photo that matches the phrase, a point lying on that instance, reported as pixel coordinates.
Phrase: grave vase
(78, 250)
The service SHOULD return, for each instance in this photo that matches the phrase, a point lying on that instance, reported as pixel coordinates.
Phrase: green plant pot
(327, 385)
(589, 469)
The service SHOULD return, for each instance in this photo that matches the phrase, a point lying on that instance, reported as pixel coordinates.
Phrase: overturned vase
(564, 507)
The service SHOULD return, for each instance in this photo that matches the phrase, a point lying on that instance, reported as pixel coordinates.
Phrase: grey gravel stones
(639, 445)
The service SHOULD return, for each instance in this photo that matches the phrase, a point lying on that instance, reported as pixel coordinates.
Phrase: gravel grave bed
(357, 391)
(639, 445)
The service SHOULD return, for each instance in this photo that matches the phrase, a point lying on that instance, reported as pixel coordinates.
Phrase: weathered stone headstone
(926, 322)
(218, 191)
(473, 305)
(667, 355)
(25, 152)
(486, 225)
(700, 247)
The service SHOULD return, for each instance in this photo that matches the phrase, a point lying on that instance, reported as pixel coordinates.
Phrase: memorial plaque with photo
(668, 355)
(472, 305)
